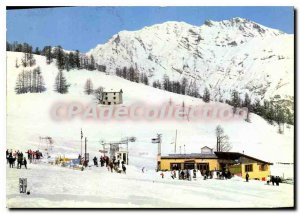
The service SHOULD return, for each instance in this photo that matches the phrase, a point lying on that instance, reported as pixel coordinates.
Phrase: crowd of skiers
(188, 174)
(112, 164)
(19, 157)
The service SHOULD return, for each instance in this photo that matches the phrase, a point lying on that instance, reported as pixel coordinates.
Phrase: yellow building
(241, 164)
(237, 163)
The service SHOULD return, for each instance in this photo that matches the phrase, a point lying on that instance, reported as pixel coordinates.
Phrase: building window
(263, 167)
(108, 103)
(175, 166)
(249, 168)
(106, 98)
(114, 98)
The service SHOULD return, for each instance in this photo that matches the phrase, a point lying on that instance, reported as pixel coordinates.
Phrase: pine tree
(61, 85)
(92, 65)
(60, 57)
(48, 54)
(235, 100)
(166, 83)
(37, 51)
(193, 89)
(206, 95)
(279, 117)
(71, 60)
(88, 87)
(77, 59)
(184, 83)
(247, 104)
(156, 84)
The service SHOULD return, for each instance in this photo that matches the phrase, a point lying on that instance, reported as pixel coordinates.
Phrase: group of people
(34, 155)
(19, 157)
(274, 180)
(111, 164)
(224, 175)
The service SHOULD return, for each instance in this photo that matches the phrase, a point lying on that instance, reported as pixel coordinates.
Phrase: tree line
(132, 75)
(64, 60)
(271, 111)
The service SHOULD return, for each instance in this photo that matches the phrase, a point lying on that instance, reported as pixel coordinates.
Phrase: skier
(124, 168)
(20, 159)
(102, 161)
(194, 173)
(273, 180)
(247, 177)
(111, 166)
(95, 161)
(277, 180)
(25, 163)
(11, 161)
(182, 175)
(162, 175)
(7, 155)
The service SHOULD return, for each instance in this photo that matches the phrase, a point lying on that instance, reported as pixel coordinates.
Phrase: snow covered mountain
(231, 54)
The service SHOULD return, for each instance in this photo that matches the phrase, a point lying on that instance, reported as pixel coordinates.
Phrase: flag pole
(81, 136)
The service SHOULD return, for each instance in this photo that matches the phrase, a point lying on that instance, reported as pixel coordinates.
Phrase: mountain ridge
(236, 54)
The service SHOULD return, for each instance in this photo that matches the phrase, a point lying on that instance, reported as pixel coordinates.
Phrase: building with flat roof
(237, 163)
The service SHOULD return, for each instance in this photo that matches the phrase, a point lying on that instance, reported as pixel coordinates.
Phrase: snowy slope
(223, 56)
(54, 186)
(28, 117)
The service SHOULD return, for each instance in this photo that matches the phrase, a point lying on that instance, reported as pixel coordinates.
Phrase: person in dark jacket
(11, 161)
(277, 180)
(95, 161)
(20, 159)
(124, 168)
(25, 163)
(111, 166)
(247, 177)
(273, 180)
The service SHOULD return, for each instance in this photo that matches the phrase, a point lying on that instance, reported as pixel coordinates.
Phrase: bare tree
(88, 87)
(223, 144)
(98, 93)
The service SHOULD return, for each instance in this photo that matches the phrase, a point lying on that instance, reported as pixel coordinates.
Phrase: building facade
(112, 98)
(237, 163)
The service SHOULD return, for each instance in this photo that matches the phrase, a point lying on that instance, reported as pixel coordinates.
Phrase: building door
(190, 165)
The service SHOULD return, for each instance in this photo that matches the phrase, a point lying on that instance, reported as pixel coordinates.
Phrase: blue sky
(83, 28)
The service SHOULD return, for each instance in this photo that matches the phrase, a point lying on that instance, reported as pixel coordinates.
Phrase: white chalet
(112, 97)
